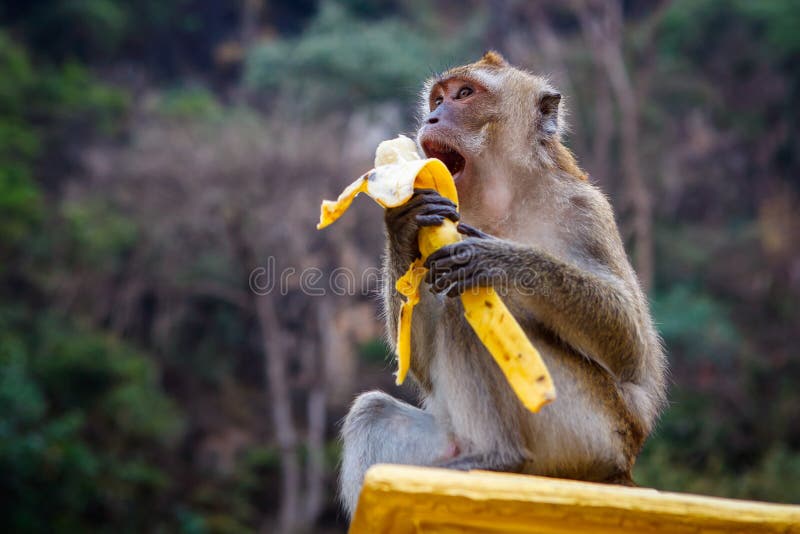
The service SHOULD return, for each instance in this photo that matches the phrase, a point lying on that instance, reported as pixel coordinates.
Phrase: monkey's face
(490, 124)
(458, 109)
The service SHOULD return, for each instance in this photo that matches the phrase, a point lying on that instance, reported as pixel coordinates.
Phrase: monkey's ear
(548, 108)
(493, 58)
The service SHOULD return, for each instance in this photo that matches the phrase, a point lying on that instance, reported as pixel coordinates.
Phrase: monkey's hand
(471, 231)
(467, 264)
(425, 208)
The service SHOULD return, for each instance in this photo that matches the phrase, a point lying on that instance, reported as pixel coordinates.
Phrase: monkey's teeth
(447, 154)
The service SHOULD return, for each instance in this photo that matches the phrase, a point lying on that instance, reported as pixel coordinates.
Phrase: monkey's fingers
(457, 282)
(451, 287)
(405, 227)
(441, 283)
(445, 212)
(424, 196)
(427, 205)
(429, 220)
(460, 280)
(440, 276)
(471, 231)
(451, 256)
(444, 273)
(443, 279)
(435, 272)
(449, 212)
(432, 195)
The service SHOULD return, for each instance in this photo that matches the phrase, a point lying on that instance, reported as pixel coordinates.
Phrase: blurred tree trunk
(276, 343)
(251, 13)
(551, 51)
(315, 441)
(603, 130)
(601, 22)
(498, 24)
(276, 362)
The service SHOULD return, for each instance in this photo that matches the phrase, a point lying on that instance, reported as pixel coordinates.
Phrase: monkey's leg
(382, 429)
(487, 462)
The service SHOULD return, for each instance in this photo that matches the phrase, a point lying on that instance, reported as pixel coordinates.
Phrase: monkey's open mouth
(448, 155)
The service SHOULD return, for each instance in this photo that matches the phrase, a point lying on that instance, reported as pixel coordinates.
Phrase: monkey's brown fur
(548, 241)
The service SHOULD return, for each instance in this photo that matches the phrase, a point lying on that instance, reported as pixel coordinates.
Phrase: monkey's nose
(432, 120)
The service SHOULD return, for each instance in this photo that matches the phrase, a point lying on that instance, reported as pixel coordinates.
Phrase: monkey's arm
(426, 208)
(595, 312)
(392, 301)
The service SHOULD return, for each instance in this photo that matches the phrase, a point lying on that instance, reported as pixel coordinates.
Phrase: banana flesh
(398, 171)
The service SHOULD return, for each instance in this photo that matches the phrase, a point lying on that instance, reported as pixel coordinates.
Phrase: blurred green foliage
(77, 409)
(691, 26)
(374, 352)
(341, 61)
(83, 421)
(765, 481)
(102, 246)
(19, 144)
(37, 105)
(97, 30)
(697, 323)
(190, 103)
(737, 42)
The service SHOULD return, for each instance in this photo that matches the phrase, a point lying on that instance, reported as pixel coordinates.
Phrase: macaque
(546, 239)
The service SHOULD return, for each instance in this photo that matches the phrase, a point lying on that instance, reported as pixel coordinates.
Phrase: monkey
(537, 230)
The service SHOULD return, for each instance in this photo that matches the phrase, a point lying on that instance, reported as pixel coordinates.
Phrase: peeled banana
(398, 171)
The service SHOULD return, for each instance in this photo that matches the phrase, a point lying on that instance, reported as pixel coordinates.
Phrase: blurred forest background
(154, 153)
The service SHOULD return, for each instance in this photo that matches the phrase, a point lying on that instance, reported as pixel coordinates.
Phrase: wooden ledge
(404, 499)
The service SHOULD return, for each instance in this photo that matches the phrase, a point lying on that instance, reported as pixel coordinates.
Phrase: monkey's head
(488, 119)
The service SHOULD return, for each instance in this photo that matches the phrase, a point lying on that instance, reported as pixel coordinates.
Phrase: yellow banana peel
(398, 171)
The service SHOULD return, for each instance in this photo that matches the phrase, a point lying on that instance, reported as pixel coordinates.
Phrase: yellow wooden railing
(404, 499)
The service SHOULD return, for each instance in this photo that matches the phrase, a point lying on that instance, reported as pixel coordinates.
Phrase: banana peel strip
(398, 171)
(408, 286)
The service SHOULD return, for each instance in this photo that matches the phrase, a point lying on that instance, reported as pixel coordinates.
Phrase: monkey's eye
(464, 92)
(438, 100)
